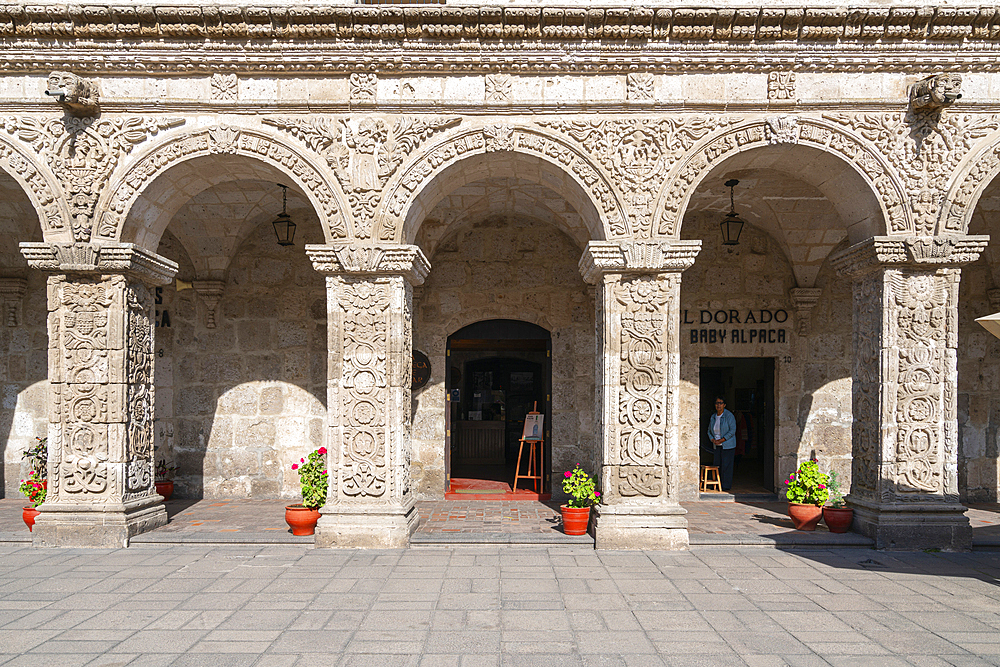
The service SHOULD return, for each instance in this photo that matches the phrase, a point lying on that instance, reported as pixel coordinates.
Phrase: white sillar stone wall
(813, 372)
(979, 373)
(507, 268)
(238, 404)
(23, 383)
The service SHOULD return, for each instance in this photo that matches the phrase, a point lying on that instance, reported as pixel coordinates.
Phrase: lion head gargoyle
(936, 92)
(77, 94)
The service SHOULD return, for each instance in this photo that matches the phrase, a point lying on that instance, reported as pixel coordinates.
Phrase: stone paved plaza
(292, 605)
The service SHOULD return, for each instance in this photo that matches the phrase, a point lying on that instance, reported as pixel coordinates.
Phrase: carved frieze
(124, 258)
(879, 251)
(405, 260)
(925, 149)
(962, 199)
(364, 152)
(650, 256)
(83, 153)
(689, 172)
(638, 154)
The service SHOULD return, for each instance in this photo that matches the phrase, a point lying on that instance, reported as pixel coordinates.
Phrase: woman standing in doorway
(722, 433)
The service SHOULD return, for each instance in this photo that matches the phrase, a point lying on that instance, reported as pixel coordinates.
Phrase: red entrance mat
(488, 489)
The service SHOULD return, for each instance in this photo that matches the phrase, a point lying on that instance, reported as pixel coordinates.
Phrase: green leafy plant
(163, 471)
(807, 485)
(34, 489)
(581, 488)
(836, 495)
(313, 479)
(38, 458)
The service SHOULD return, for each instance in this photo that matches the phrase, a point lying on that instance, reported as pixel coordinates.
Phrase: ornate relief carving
(782, 130)
(527, 142)
(82, 153)
(962, 199)
(602, 257)
(364, 466)
(11, 294)
(925, 149)
(225, 87)
(867, 404)
(405, 260)
(804, 299)
(690, 171)
(781, 85)
(638, 154)
(639, 87)
(217, 139)
(499, 88)
(363, 86)
(12, 161)
(499, 138)
(364, 152)
(936, 92)
(78, 95)
(139, 390)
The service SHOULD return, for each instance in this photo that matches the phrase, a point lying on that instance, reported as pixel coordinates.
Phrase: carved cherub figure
(936, 92)
(74, 92)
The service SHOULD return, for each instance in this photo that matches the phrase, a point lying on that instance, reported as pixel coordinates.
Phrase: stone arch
(220, 140)
(41, 188)
(869, 173)
(538, 156)
(971, 179)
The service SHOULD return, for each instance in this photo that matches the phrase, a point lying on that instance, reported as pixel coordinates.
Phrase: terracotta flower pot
(575, 519)
(805, 517)
(301, 519)
(838, 519)
(165, 488)
(29, 514)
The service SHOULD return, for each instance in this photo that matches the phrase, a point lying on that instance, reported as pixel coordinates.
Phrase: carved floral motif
(364, 152)
(224, 86)
(15, 163)
(781, 85)
(82, 153)
(363, 86)
(499, 88)
(638, 154)
(925, 149)
(639, 87)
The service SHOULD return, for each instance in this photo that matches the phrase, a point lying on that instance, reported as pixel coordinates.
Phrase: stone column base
(640, 527)
(911, 528)
(89, 526)
(366, 528)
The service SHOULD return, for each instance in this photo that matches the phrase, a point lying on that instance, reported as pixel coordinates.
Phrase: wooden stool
(710, 478)
(534, 468)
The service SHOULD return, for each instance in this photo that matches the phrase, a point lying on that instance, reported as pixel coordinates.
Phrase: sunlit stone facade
(449, 164)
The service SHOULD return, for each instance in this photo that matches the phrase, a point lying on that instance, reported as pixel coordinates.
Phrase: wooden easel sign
(533, 426)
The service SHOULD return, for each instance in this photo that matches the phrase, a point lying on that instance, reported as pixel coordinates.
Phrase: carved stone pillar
(904, 487)
(638, 369)
(101, 326)
(369, 332)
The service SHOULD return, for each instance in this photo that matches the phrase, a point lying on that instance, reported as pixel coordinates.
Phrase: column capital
(105, 258)
(357, 259)
(926, 251)
(639, 256)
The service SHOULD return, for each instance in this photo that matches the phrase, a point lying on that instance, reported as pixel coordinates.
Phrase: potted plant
(164, 483)
(35, 487)
(314, 481)
(837, 515)
(806, 493)
(582, 494)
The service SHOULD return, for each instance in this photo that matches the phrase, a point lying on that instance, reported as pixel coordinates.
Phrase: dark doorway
(498, 371)
(747, 386)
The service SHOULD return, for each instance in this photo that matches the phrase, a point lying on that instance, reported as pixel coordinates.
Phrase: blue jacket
(728, 429)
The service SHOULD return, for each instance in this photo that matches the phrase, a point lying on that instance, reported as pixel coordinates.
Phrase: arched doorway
(497, 372)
